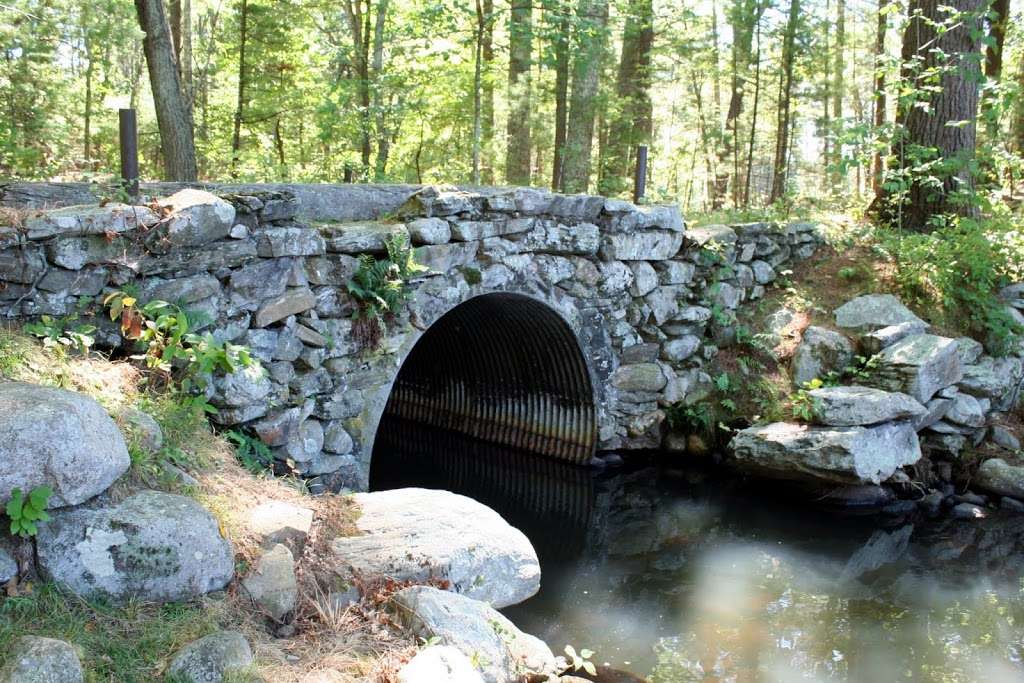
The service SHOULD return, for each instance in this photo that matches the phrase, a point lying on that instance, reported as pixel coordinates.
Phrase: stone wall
(648, 300)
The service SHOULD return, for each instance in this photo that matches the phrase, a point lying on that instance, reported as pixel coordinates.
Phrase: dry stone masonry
(647, 300)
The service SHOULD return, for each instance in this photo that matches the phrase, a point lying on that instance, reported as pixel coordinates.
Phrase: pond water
(679, 574)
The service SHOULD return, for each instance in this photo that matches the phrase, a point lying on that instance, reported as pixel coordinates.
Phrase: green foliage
(380, 288)
(59, 333)
(254, 455)
(25, 512)
(164, 331)
(574, 661)
(803, 405)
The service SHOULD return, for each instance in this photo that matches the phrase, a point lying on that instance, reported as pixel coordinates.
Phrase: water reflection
(682, 575)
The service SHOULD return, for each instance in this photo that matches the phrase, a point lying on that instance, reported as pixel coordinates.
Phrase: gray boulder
(210, 659)
(59, 439)
(439, 664)
(852, 406)
(501, 651)
(196, 218)
(920, 365)
(419, 534)
(820, 352)
(845, 455)
(873, 342)
(31, 659)
(144, 428)
(272, 585)
(429, 231)
(647, 245)
(998, 379)
(280, 522)
(995, 475)
(966, 411)
(874, 311)
(1001, 436)
(8, 565)
(157, 547)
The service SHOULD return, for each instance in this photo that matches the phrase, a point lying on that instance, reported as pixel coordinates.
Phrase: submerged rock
(157, 547)
(31, 659)
(417, 534)
(845, 455)
(853, 405)
(60, 439)
(501, 651)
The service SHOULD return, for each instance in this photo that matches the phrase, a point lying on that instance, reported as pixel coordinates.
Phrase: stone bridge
(551, 323)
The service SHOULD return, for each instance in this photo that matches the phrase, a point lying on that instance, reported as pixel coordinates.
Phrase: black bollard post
(128, 133)
(640, 181)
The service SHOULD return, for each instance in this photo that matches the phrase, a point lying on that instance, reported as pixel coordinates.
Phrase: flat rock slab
(874, 311)
(853, 406)
(500, 650)
(420, 534)
(31, 659)
(439, 664)
(156, 547)
(362, 238)
(845, 455)
(919, 365)
(60, 439)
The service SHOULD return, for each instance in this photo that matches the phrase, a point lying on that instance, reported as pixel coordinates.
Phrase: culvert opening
(503, 369)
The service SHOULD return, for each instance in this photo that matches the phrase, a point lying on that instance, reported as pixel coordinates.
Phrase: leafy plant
(26, 511)
(574, 661)
(254, 455)
(59, 333)
(803, 405)
(380, 287)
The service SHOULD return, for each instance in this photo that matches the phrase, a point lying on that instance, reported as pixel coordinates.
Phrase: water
(678, 574)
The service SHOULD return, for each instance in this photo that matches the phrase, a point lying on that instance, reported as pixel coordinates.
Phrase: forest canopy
(742, 103)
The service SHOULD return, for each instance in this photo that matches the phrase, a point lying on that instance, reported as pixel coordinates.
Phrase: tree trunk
(478, 55)
(172, 115)
(561, 50)
(383, 132)
(630, 124)
(997, 34)
(359, 28)
(838, 86)
(487, 96)
(743, 16)
(753, 117)
(947, 123)
(520, 95)
(586, 78)
(236, 137)
(782, 134)
(879, 119)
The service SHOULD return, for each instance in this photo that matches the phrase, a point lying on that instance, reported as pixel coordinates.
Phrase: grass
(135, 642)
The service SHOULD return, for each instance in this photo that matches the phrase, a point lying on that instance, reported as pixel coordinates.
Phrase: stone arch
(503, 367)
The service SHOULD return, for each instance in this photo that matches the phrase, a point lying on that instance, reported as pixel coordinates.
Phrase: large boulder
(60, 439)
(419, 534)
(31, 659)
(212, 659)
(919, 365)
(998, 476)
(874, 311)
(821, 351)
(195, 217)
(852, 406)
(997, 379)
(844, 455)
(500, 651)
(157, 547)
(439, 664)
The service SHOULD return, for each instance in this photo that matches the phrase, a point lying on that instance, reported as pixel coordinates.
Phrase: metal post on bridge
(640, 180)
(128, 134)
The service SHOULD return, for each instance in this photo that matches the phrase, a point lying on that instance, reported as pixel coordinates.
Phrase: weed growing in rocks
(380, 287)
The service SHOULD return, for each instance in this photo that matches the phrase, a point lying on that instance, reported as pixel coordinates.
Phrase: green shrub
(380, 287)
(25, 511)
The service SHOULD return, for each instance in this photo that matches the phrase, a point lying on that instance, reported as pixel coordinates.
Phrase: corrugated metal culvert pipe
(503, 368)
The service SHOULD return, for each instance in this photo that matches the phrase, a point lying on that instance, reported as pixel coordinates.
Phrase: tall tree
(562, 34)
(243, 45)
(172, 114)
(838, 87)
(743, 17)
(591, 42)
(520, 93)
(997, 39)
(631, 119)
(942, 71)
(487, 95)
(880, 99)
(782, 131)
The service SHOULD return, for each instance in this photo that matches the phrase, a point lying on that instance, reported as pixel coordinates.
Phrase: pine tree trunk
(478, 55)
(753, 117)
(948, 123)
(630, 125)
(879, 118)
(383, 132)
(487, 97)
(520, 95)
(838, 87)
(561, 50)
(236, 137)
(782, 134)
(586, 80)
(173, 119)
(997, 34)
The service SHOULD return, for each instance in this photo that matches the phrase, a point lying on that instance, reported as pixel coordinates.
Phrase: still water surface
(683, 575)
